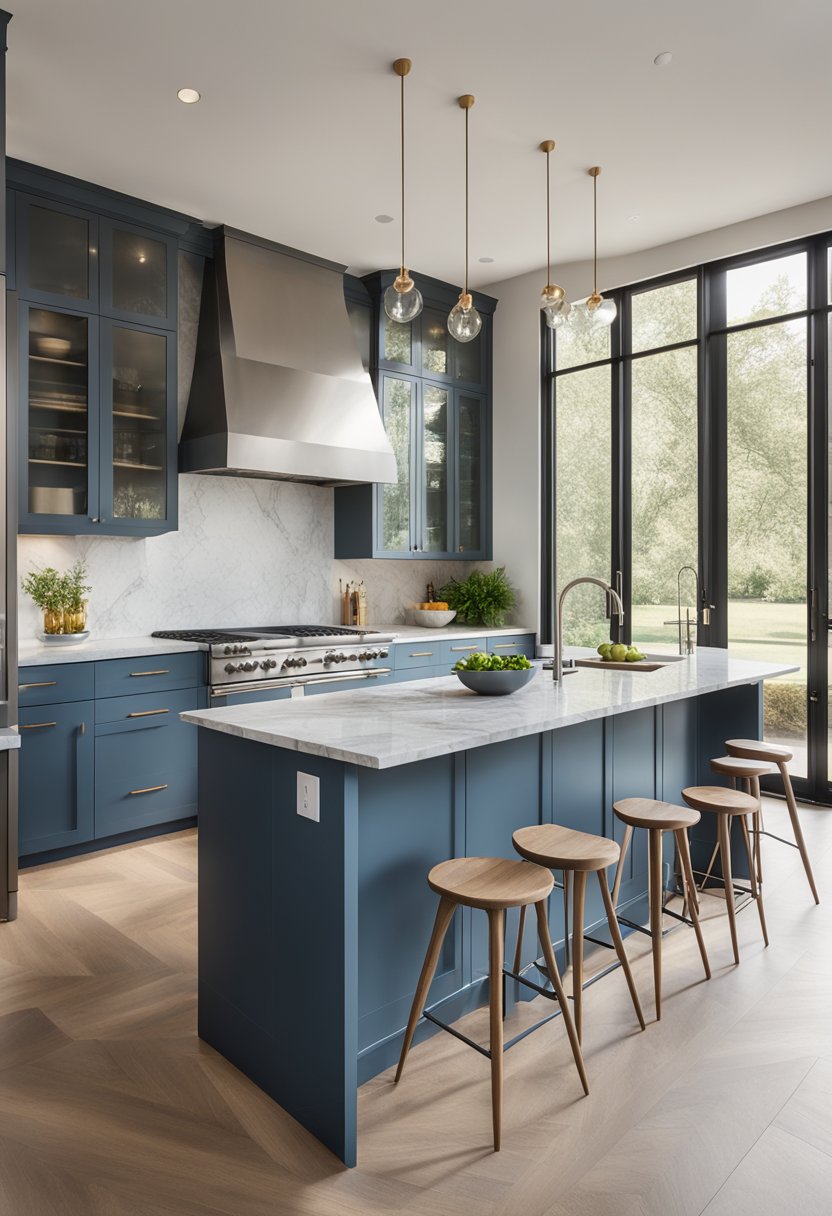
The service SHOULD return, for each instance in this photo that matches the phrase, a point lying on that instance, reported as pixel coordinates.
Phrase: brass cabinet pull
(421, 654)
(147, 713)
(150, 789)
(83, 728)
(37, 725)
(455, 648)
(506, 645)
(165, 671)
(40, 684)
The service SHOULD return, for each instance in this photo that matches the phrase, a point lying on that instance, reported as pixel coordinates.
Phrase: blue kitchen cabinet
(521, 643)
(95, 353)
(56, 776)
(434, 395)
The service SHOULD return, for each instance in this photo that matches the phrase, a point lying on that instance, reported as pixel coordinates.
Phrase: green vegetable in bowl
(493, 662)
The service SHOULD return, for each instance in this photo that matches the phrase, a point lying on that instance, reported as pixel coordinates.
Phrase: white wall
(247, 553)
(517, 367)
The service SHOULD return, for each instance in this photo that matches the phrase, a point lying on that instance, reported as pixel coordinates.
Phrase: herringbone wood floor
(110, 1105)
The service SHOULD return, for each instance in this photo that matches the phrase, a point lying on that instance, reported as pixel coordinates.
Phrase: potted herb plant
(60, 597)
(76, 591)
(483, 598)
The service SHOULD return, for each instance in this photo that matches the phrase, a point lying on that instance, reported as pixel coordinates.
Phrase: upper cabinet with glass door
(138, 275)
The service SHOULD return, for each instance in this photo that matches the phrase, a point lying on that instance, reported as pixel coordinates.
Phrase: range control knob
(382, 654)
(301, 662)
(353, 658)
(328, 657)
(227, 650)
(230, 668)
(363, 656)
(250, 666)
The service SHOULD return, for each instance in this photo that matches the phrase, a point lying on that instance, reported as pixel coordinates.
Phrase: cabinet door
(396, 502)
(434, 467)
(57, 253)
(138, 275)
(471, 479)
(59, 425)
(398, 345)
(138, 429)
(56, 776)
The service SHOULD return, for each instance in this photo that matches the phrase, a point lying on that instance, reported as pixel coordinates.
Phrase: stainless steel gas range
(255, 660)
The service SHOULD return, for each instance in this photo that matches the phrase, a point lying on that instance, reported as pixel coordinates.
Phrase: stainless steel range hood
(278, 389)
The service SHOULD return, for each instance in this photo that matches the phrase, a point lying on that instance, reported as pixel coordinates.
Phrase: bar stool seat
(659, 817)
(579, 853)
(492, 884)
(774, 753)
(742, 768)
(727, 804)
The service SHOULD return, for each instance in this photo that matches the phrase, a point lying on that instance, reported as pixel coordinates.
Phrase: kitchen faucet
(702, 615)
(557, 662)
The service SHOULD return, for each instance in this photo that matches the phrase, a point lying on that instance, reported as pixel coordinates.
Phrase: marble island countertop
(9, 739)
(38, 654)
(402, 723)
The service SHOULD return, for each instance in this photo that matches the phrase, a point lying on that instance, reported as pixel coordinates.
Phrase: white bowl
(433, 619)
(54, 348)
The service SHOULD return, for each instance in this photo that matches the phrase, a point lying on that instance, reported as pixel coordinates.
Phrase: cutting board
(605, 664)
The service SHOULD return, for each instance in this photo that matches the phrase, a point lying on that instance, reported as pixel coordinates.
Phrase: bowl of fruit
(495, 675)
(619, 652)
(434, 614)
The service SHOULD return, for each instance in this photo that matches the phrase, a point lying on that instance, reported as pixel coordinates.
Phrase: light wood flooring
(110, 1105)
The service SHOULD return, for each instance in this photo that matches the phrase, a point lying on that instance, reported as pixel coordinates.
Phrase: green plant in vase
(483, 598)
(76, 591)
(48, 590)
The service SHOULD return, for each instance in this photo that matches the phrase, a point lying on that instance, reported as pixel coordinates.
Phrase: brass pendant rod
(402, 143)
(466, 201)
(548, 219)
(594, 235)
(402, 68)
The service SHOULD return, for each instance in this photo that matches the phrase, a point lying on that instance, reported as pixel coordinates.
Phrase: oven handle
(295, 681)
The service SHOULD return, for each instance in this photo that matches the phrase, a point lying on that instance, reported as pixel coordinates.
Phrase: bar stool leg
(615, 934)
(496, 926)
(756, 891)
(578, 896)
(724, 832)
(567, 950)
(518, 950)
(554, 976)
(655, 850)
(444, 913)
(796, 828)
(619, 869)
(683, 845)
(754, 791)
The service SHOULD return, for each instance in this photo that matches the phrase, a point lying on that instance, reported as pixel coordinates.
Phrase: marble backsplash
(247, 553)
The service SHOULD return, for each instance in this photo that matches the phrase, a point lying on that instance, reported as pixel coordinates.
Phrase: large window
(693, 433)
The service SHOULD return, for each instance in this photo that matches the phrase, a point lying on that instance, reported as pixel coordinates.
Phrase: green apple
(604, 649)
(618, 653)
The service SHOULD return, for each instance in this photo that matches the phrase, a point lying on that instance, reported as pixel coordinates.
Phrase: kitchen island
(312, 931)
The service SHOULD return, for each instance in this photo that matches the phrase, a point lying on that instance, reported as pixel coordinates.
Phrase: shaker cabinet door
(138, 275)
(56, 776)
(56, 253)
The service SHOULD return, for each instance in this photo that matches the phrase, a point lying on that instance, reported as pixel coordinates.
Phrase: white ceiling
(296, 136)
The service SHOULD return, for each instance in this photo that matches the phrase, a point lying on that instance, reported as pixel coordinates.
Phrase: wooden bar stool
(773, 753)
(726, 803)
(492, 884)
(744, 775)
(578, 853)
(657, 818)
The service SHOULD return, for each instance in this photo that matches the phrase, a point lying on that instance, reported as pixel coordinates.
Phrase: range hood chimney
(278, 389)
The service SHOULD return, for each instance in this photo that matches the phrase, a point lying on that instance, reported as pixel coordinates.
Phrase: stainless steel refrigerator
(8, 556)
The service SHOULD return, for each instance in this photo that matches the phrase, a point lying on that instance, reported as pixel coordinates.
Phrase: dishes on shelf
(53, 348)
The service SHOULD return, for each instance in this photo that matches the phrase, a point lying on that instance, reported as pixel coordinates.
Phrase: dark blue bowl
(497, 683)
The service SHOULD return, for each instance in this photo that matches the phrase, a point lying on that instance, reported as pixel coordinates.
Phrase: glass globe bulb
(605, 313)
(402, 306)
(464, 322)
(554, 306)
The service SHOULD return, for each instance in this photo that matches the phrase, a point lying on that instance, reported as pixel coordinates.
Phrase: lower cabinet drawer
(149, 673)
(417, 654)
(144, 777)
(459, 648)
(55, 682)
(522, 643)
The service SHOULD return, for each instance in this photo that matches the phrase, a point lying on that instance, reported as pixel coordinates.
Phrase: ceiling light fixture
(383, 219)
(189, 96)
(464, 322)
(595, 310)
(663, 59)
(553, 302)
(485, 259)
(402, 299)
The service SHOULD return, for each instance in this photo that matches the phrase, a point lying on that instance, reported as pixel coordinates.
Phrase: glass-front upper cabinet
(59, 432)
(435, 480)
(57, 253)
(138, 275)
(138, 409)
(470, 476)
(425, 347)
(398, 409)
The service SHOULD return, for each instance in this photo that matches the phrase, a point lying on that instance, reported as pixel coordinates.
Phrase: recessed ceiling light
(485, 259)
(189, 96)
(663, 59)
(633, 218)
(383, 219)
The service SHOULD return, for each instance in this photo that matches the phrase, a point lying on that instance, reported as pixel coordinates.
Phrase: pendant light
(595, 310)
(402, 299)
(464, 322)
(553, 302)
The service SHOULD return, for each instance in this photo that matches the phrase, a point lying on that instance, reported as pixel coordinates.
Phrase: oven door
(268, 690)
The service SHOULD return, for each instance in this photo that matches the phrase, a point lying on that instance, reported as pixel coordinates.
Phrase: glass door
(435, 465)
(470, 473)
(59, 439)
(398, 410)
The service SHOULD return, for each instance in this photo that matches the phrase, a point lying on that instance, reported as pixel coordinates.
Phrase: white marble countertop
(37, 654)
(418, 633)
(9, 738)
(402, 723)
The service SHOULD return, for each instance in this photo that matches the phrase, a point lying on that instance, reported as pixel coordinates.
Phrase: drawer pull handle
(165, 671)
(150, 789)
(40, 684)
(38, 725)
(506, 645)
(455, 648)
(421, 654)
(147, 713)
